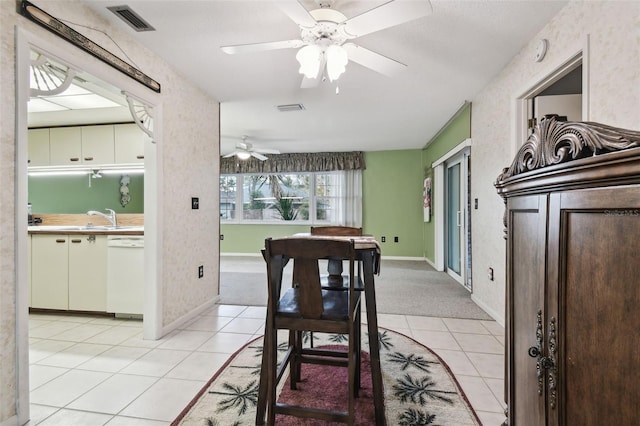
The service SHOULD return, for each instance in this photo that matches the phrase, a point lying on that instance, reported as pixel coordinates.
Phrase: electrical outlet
(195, 203)
(395, 239)
(476, 204)
(490, 274)
(221, 237)
(200, 271)
(383, 239)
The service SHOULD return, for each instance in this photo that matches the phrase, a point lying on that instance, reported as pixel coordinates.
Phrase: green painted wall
(250, 238)
(72, 194)
(392, 201)
(457, 131)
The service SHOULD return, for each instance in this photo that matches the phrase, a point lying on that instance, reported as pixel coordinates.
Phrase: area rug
(419, 388)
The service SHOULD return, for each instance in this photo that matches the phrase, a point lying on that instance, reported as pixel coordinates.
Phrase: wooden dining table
(368, 252)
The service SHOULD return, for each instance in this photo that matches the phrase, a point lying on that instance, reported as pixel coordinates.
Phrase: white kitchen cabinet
(97, 145)
(88, 273)
(65, 145)
(50, 271)
(38, 147)
(69, 272)
(129, 144)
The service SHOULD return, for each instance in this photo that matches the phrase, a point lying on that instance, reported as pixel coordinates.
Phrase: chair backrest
(306, 254)
(348, 231)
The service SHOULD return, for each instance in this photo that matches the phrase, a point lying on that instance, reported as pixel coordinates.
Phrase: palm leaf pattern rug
(419, 387)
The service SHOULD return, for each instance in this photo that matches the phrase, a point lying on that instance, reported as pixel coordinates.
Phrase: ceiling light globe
(243, 155)
(337, 60)
(309, 58)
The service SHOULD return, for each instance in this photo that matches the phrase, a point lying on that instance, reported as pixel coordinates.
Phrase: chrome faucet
(111, 217)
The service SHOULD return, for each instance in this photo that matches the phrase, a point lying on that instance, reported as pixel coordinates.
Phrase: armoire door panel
(527, 239)
(600, 294)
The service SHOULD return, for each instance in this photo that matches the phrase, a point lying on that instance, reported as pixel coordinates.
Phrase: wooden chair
(337, 281)
(306, 307)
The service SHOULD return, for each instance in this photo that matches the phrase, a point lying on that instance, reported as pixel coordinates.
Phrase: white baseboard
(493, 314)
(189, 316)
(402, 258)
(241, 254)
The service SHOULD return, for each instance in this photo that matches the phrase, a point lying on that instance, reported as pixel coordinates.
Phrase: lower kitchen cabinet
(88, 273)
(69, 272)
(50, 271)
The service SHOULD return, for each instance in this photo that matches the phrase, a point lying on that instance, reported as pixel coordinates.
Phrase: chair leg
(358, 350)
(272, 375)
(295, 342)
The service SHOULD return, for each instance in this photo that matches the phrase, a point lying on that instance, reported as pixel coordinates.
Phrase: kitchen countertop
(84, 230)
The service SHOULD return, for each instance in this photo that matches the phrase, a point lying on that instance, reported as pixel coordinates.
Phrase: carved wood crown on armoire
(572, 221)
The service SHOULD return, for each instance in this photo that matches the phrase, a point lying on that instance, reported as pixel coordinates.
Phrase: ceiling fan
(244, 150)
(325, 36)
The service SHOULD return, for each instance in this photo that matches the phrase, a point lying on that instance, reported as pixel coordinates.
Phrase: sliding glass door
(457, 221)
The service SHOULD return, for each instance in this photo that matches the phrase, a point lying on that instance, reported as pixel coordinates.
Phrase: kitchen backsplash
(81, 193)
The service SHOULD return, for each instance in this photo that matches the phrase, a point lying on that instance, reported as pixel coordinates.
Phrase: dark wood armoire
(572, 223)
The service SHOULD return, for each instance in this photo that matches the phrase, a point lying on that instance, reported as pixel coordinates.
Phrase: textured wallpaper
(612, 29)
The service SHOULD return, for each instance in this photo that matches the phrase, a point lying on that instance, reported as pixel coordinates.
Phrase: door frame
(68, 54)
(439, 169)
(522, 101)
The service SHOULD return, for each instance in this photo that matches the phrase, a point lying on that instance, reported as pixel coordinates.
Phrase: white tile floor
(88, 370)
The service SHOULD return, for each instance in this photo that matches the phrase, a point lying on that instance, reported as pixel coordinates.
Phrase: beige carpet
(403, 287)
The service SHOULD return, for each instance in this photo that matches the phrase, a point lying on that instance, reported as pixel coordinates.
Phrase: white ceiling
(451, 55)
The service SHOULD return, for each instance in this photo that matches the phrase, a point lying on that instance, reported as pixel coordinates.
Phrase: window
(292, 197)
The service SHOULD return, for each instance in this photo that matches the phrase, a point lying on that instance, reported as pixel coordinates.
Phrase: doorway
(452, 208)
(25, 43)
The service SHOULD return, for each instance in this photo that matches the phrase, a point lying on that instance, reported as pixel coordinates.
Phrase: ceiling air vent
(131, 18)
(290, 107)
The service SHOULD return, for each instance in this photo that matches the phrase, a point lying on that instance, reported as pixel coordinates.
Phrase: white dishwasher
(125, 275)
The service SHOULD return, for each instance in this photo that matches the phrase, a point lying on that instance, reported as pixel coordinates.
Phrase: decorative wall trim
(555, 142)
(52, 24)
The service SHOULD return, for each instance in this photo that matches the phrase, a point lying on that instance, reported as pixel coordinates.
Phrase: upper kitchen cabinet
(65, 144)
(129, 144)
(38, 149)
(97, 145)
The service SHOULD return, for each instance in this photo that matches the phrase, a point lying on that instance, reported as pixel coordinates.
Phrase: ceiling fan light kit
(324, 32)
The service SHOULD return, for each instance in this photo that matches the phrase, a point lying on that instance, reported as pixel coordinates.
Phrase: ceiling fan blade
(387, 15)
(373, 60)
(266, 151)
(261, 47)
(258, 156)
(297, 13)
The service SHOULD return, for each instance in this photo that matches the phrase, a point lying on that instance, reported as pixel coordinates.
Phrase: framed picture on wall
(426, 199)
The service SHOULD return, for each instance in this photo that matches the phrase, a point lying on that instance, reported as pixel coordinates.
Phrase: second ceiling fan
(325, 36)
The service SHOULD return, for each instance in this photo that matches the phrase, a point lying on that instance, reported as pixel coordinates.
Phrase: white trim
(452, 152)
(438, 216)
(402, 258)
(21, 236)
(192, 314)
(499, 318)
(553, 73)
(24, 42)
(438, 201)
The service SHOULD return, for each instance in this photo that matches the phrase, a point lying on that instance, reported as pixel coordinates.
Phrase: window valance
(299, 162)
